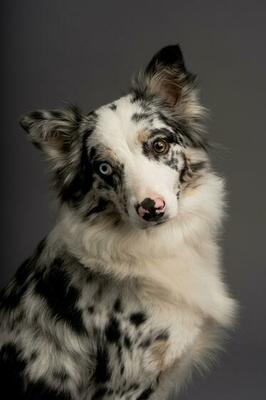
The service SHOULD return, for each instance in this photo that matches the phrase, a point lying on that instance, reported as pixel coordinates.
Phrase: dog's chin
(146, 225)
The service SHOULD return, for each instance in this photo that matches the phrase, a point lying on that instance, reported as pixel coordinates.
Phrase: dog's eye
(160, 146)
(105, 168)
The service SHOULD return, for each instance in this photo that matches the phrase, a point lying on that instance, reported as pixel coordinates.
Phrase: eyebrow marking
(164, 132)
(143, 136)
(110, 154)
(106, 154)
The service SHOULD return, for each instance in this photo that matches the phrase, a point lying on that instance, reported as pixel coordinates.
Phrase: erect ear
(54, 132)
(167, 76)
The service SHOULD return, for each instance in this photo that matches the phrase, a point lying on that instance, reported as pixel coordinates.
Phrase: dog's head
(131, 159)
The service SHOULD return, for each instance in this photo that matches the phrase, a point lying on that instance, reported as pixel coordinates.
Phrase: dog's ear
(54, 132)
(60, 135)
(167, 77)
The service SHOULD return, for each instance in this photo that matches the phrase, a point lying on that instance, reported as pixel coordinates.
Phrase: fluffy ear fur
(60, 135)
(166, 74)
(54, 132)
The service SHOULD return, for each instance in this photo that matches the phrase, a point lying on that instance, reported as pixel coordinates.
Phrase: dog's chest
(133, 340)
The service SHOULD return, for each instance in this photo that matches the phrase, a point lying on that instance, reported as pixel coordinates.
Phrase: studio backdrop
(58, 51)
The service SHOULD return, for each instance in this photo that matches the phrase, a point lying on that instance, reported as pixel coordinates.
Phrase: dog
(125, 296)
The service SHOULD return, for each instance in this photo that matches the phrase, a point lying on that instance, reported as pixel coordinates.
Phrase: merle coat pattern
(125, 295)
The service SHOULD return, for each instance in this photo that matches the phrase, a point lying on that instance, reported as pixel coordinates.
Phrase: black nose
(151, 209)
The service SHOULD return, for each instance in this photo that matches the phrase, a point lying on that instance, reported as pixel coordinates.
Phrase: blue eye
(105, 168)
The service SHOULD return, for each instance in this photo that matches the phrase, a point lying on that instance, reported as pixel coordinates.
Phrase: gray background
(85, 52)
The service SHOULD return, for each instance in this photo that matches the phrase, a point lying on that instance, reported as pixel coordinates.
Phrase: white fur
(167, 274)
(178, 263)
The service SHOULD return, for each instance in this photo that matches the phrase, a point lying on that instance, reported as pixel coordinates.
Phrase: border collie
(125, 295)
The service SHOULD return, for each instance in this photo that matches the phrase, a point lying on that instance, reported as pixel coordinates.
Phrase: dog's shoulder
(66, 329)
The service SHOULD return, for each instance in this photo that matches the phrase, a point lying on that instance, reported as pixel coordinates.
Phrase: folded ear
(52, 131)
(167, 76)
(62, 135)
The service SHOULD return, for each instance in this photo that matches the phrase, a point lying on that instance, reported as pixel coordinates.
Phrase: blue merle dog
(125, 294)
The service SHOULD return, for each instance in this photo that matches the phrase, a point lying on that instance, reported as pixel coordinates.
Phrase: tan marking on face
(109, 154)
(143, 136)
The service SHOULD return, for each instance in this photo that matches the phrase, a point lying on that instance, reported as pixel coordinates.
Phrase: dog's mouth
(154, 224)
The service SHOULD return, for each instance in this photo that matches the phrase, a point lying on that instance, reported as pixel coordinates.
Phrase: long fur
(111, 306)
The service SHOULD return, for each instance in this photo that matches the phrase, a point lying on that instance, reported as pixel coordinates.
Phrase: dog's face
(137, 161)
(129, 159)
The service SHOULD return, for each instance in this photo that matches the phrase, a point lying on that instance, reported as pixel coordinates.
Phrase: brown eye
(161, 146)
